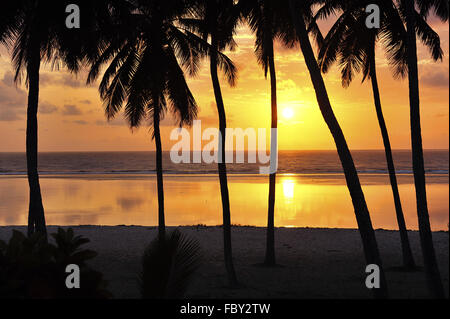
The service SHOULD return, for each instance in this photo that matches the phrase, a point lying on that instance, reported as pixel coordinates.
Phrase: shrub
(30, 267)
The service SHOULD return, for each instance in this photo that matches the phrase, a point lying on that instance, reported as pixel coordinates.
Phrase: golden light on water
(288, 188)
(192, 200)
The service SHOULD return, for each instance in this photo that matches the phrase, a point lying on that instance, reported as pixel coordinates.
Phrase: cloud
(10, 95)
(71, 81)
(46, 79)
(286, 85)
(70, 110)
(9, 115)
(62, 79)
(81, 122)
(8, 79)
(12, 99)
(437, 79)
(85, 102)
(113, 122)
(47, 108)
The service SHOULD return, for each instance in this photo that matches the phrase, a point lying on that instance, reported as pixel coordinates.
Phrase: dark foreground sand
(317, 263)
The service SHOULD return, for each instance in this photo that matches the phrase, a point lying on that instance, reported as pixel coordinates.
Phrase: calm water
(115, 189)
(295, 162)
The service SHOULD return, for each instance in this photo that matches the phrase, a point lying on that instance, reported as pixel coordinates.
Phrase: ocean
(289, 162)
(119, 188)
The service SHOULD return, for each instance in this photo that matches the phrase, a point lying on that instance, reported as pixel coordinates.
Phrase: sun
(288, 113)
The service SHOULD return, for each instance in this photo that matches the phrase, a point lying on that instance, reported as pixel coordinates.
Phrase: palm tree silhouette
(301, 14)
(149, 52)
(144, 73)
(35, 32)
(441, 9)
(260, 16)
(217, 19)
(352, 45)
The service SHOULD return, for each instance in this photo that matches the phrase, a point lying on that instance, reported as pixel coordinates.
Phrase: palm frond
(439, 7)
(116, 92)
(181, 100)
(429, 38)
(168, 266)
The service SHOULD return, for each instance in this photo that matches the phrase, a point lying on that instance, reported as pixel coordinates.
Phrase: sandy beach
(316, 263)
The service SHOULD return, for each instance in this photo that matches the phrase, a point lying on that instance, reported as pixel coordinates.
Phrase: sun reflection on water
(288, 188)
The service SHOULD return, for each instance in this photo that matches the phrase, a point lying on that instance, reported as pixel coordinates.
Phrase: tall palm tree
(260, 15)
(35, 32)
(353, 45)
(261, 21)
(301, 15)
(217, 20)
(441, 9)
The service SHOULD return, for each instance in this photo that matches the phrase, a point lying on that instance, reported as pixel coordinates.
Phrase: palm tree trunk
(370, 246)
(36, 218)
(426, 238)
(408, 259)
(270, 244)
(228, 254)
(159, 170)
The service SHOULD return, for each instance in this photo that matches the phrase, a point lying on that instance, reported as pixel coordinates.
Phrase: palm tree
(148, 54)
(440, 7)
(299, 15)
(35, 32)
(260, 15)
(353, 45)
(261, 22)
(144, 72)
(217, 19)
(25, 36)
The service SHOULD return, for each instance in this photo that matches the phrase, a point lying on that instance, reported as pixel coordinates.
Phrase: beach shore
(315, 263)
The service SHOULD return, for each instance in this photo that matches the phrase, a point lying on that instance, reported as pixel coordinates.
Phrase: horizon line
(285, 150)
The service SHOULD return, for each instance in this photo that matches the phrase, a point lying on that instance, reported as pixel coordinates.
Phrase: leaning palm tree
(217, 20)
(35, 32)
(301, 13)
(352, 45)
(441, 9)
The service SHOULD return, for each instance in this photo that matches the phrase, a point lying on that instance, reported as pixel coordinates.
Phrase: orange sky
(71, 117)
